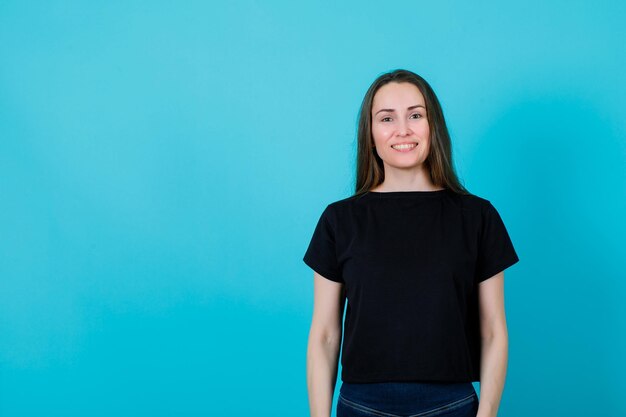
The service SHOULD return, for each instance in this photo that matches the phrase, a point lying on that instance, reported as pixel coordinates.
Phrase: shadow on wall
(562, 165)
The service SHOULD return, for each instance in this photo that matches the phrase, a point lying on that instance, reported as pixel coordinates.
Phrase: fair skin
(324, 344)
(399, 115)
(495, 344)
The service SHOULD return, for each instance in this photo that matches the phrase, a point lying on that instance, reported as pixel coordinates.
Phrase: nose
(403, 128)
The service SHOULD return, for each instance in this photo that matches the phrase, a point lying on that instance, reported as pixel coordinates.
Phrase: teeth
(404, 146)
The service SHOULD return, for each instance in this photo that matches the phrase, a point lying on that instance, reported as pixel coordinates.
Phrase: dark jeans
(407, 399)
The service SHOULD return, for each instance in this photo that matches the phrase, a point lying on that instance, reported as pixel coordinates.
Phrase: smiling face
(399, 126)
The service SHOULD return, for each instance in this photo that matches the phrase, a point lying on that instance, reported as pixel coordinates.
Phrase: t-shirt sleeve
(495, 249)
(321, 255)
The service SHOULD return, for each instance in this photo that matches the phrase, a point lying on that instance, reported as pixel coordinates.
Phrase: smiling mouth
(404, 147)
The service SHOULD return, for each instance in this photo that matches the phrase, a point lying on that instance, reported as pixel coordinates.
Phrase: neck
(400, 180)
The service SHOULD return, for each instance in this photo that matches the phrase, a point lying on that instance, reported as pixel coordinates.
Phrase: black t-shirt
(411, 262)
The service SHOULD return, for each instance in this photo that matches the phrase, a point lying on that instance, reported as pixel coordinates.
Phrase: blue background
(163, 165)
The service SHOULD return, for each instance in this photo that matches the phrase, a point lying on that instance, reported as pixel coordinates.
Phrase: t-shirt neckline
(383, 194)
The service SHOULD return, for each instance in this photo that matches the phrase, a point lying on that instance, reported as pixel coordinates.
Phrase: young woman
(420, 261)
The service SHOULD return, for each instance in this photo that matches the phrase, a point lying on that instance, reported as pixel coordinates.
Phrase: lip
(403, 143)
(405, 150)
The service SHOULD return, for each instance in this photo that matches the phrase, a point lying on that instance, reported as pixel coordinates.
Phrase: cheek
(379, 133)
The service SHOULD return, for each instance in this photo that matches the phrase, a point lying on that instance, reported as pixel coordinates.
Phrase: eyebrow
(408, 108)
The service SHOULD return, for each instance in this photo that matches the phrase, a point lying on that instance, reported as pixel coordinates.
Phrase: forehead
(394, 95)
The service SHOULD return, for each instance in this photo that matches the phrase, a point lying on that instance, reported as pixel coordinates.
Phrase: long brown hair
(369, 166)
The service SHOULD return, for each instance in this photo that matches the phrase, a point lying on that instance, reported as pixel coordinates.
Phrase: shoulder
(472, 201)
(473, 207)
(341, 211)
(345, 203)
(465, 202)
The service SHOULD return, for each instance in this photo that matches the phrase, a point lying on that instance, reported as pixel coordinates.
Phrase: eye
(419, 116)
(384, 119)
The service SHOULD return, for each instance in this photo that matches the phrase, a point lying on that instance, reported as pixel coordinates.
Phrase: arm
(324, 344)
(494, 337)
